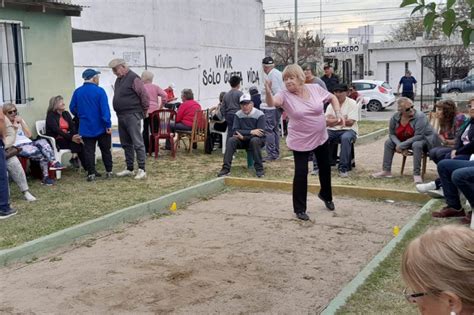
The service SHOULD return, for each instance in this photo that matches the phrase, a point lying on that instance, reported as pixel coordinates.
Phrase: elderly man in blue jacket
(89, 103)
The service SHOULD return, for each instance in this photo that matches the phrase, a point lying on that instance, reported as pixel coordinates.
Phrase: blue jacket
(90, 104)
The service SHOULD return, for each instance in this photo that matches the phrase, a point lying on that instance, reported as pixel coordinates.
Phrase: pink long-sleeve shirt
(154, 91)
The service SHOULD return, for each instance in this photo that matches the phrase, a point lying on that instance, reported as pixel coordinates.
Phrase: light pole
(296, 31)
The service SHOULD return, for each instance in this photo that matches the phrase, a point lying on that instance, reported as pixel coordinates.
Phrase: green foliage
(453, 18)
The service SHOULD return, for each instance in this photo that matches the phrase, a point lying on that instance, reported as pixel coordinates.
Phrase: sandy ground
(240, 252)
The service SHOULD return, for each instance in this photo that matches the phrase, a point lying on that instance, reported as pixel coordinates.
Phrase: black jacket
(467, 149)
(52, 126)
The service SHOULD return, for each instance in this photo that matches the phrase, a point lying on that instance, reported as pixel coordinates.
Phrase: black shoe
(74, 163)
(223, 172)
(260, 174)
(302, 216)
(328, 204)
(97, 174)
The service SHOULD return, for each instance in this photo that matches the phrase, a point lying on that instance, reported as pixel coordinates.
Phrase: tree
(282, 45)
(413, 28)
(455, 61)
(456, 15)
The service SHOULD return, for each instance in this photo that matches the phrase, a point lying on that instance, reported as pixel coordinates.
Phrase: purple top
(307, 126)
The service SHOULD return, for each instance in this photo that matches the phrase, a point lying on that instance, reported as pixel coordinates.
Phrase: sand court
(239, 252)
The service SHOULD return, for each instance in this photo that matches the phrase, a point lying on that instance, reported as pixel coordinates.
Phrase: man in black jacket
(248, 133)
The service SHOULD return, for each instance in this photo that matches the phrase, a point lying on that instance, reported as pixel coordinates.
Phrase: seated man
(454, 175)
(248, 133)
(344, 132)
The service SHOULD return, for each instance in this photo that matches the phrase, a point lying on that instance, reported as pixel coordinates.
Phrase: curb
(353, 191)
(107, 222)
(351, 287)
(371, 136)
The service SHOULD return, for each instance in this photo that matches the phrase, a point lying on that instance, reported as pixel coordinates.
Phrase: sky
(338, 16)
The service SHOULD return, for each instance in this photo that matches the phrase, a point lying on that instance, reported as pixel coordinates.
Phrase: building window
(12, 66)
(387, 72)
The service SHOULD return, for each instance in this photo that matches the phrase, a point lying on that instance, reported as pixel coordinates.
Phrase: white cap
(245, 98)
(172, 85)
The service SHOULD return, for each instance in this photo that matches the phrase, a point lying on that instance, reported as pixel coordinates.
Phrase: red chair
(160, 124)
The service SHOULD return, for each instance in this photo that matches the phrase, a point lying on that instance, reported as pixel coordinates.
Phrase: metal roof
(44, 6)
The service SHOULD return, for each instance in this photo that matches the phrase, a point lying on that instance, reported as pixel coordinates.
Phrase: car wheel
(454, 91)
(374, 106)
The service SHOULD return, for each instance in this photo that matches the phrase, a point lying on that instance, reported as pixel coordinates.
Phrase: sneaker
(467, 219)
(448, 212)
(425, 187)
(91, 177)
(28, 196)
(417, 179)
(97, 174)
(74, 163)
(223, 172)
(48, 181)
(436, 193)
(260, 174)
(302, 216)
(382, 174)
(7, 213)
(109, 175)
(329, 204)
(141, 174)
(124, 173)
(56, 166)
(343, 174)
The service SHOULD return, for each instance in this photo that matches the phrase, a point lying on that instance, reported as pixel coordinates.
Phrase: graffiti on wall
(224, 70)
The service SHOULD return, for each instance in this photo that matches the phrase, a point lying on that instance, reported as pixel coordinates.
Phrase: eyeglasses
(10, 112)
(411, 297)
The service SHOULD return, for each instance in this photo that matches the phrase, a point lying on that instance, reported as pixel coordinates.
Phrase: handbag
(11, 152)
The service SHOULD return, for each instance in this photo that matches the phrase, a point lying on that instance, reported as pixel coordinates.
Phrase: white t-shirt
(21, 138)
(349, 109)
(276, 78)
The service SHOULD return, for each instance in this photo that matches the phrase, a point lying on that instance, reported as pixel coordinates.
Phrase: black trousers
(253, 144)
(105, 146)
(410, 95)
(300, 179)
(74, 147)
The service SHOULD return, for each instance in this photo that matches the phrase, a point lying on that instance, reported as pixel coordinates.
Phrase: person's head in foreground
(293, 77)
(438, 268)
(406, 107)
(246, 104)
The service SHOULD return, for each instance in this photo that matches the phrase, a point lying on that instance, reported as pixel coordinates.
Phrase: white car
(378, 93)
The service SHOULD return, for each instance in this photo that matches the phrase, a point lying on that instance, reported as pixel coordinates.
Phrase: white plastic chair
(41, 130)
(223, 134)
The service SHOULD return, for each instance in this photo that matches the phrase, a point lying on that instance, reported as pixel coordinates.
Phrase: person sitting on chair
(185, 115)
(344, 132)
(248, 133)
(60, 126)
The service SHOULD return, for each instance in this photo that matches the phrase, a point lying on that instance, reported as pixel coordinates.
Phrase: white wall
(185, 41)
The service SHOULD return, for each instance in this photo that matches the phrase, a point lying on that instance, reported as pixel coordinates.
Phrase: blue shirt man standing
(408, 84)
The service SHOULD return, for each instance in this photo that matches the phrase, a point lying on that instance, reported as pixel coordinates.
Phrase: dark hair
(234, 81)
(221, 97)
(188, 94)
(326, 67)
(449, 113)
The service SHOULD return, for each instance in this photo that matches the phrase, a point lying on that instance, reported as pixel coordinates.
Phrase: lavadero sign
(344, 50)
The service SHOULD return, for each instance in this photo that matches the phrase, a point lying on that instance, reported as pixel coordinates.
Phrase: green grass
(382, 291)
(368, 126)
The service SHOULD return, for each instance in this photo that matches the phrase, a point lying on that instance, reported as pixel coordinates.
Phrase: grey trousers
(16, 173)
(418, 147)
(272, 137)
(129, 126)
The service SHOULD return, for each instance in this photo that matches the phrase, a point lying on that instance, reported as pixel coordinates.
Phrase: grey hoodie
(423, 130)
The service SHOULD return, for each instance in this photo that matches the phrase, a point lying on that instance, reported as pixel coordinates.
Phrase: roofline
(43, 6)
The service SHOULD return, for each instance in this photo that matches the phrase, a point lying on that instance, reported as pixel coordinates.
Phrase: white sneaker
(436, 193)
(28, 196)
(343, 174)
(125, 173)
(423, 188)
(141, 174)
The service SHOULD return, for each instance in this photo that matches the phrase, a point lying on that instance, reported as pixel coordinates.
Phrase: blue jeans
(456, 174)
(346, 138)
(4, 192)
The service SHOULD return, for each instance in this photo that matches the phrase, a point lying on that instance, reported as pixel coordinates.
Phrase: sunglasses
(411, 297)
(409, 109)
(10, 112)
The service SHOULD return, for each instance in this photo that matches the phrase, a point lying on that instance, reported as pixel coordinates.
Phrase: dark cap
(341, 88)
(253, 90)
(89, 74)
(268, 61)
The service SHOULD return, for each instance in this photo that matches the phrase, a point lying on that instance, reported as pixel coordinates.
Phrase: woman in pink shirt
(304, 105)
(157, 98)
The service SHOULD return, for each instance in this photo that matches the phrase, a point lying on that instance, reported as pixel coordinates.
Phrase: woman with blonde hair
(304, 105)
(438, 268)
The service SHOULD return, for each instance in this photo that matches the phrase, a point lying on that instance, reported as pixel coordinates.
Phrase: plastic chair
(41, 131)
(223, 134)
(160, 124)
(198, 132)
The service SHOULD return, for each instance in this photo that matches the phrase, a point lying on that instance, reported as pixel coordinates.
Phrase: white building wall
(195, 44)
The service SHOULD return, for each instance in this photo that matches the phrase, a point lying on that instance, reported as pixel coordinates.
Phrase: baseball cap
(89, 74)
(268, 61)
(341, 88)
(245, 99)
(253, 90)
